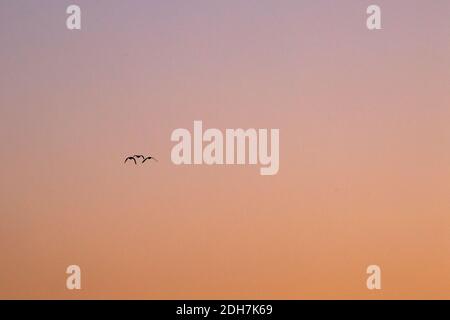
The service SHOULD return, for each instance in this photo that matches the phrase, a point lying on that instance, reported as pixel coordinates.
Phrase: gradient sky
(364, 149)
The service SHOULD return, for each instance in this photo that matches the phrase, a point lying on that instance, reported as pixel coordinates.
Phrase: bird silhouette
(149, 158)
(130, 158)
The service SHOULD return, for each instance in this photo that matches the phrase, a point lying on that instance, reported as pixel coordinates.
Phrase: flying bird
(149, 158)
(130, 158)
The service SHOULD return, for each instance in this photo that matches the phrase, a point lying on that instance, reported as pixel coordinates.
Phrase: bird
(149, 158)
(130, 158)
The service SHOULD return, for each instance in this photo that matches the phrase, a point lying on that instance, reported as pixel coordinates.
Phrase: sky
(364, 149)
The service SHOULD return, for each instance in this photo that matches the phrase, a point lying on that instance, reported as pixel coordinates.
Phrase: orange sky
(364, 150)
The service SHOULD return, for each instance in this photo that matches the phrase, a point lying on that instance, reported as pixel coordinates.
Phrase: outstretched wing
(148, 158)
(131, 158)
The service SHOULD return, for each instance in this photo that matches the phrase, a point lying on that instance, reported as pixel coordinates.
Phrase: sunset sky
(364, 149)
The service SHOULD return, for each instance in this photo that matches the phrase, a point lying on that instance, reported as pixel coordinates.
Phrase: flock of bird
(138, 156)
